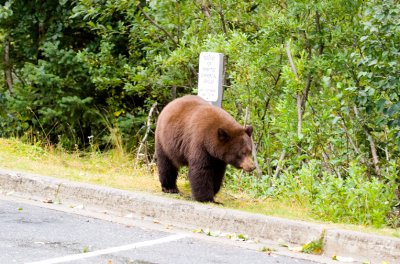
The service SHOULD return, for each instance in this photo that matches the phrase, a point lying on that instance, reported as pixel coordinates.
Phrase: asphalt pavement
(31, 233)
(284, 237)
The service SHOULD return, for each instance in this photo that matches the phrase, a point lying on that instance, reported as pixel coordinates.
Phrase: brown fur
(191, 132)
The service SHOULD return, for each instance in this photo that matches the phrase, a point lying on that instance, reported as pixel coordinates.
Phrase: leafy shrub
(352, 199)
(356, 198)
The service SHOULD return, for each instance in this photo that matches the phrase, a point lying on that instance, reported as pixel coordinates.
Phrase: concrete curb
(186, 214)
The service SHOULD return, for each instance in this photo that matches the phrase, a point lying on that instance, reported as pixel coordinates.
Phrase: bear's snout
(247, 164)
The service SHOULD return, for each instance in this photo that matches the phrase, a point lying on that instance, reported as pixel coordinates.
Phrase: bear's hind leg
(167, 172)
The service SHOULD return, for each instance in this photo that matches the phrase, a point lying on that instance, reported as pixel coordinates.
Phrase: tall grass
(109, 168)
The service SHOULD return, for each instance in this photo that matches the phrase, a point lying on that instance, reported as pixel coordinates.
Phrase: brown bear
(192, 132)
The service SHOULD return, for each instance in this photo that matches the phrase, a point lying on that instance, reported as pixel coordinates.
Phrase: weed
(267, 249)
(85, 249)
(314, 247)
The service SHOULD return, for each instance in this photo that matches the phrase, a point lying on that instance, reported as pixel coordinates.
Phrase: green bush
(354, 198)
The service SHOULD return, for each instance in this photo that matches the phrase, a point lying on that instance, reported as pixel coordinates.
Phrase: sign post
(211, 65)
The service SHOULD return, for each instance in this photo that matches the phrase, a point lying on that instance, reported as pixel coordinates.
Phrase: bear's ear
(223, 136)
(248, 130)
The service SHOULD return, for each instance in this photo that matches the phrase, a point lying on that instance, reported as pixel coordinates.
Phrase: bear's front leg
(201, 183)
(218, 174)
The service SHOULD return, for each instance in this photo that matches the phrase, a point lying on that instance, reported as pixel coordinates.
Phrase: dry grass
(109, 169)
(120, 170)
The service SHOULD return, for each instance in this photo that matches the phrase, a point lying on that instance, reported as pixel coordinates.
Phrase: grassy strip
(119, 170)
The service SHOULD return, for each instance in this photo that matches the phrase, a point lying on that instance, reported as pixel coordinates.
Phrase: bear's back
(193, 113)
(188, 123)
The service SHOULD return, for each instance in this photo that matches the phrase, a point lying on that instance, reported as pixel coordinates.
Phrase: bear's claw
(170, 190)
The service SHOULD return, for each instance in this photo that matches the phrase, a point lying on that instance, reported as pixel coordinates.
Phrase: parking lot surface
(33, 234)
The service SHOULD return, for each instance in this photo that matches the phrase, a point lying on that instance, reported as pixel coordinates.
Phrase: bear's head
(235, 147)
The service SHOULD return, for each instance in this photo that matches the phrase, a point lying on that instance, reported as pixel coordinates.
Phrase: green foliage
(379, 66)
(354, 199)
(85, 73)
(70, 78)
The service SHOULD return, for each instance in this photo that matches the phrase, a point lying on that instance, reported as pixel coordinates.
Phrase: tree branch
(158, 26)
(291, 60)
(279, 166)
(298, 94)
(375, 159)
(253, 147)
(305, 93)
(148, 124)
(221, 15)
(205, 8)
(7, 66)
(318, 27)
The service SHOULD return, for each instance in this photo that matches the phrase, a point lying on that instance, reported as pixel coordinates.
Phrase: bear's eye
(241, 154)
(245, 153)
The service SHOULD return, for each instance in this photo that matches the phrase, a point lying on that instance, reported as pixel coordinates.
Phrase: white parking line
(110, 250)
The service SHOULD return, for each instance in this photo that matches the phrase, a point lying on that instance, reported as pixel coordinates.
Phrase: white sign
(211, 66)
